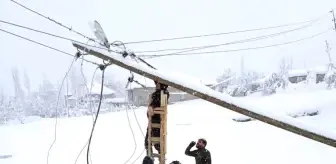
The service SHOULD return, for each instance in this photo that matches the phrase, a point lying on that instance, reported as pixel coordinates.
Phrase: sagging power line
(41, 44)
(56, 109)
(53, 20)
(188, 49)
(50, 34)
(223, 33)
(235, 50)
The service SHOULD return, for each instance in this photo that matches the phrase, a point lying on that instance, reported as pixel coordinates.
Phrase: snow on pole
(206, 93)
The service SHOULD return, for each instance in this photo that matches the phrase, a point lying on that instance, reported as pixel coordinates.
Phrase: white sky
(145, 20)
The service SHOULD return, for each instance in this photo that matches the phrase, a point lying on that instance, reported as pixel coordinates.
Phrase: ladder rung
(156, 125)
(155, 139)
(156, 155)
(158, 112)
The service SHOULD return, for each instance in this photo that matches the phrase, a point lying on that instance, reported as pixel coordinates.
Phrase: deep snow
(228, 141)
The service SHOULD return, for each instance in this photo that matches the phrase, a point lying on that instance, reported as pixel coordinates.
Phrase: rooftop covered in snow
(96, 88)
(150, 83)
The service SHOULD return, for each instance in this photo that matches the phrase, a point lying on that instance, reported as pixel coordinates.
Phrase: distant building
(96, 90)
(319, 73)
(138, 95)
(82, 95)
(298, 75)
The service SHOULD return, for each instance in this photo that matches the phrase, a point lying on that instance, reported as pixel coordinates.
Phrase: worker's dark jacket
(202, 156)
(155, 103)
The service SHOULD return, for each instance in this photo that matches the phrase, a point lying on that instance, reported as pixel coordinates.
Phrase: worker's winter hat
(204, 141)
(147, 160)
(175, 162)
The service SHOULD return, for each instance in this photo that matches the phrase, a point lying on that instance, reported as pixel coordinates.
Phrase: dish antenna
(99, 33)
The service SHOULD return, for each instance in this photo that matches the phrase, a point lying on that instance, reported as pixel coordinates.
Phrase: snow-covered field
(228, 141)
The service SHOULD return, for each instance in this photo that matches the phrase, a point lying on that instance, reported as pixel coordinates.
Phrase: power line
(139, 126)
(41, 44)
(90, 106)
(39, 31)
(234, 50)
(51, 34)
(50, 19)
(102, 68)
(56, 110)
(188, 49)
(134, 140)
(222, 33)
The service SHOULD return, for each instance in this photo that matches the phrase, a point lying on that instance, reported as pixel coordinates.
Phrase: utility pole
(212, 96)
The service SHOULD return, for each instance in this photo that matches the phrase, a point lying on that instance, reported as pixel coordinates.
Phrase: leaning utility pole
(215, 97)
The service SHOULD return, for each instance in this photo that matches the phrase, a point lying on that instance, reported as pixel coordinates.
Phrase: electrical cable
(188, 49)
(39, 31)
(50, 19)
(134, 140)
(56, 110)
(70, 28)
(41, 44)
(137, 121)
(51, 34)
(90, 106)
(102, 68)
(146, 89)
(235, 50)
(222, 33)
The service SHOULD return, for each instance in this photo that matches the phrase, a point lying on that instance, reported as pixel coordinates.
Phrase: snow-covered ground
(228, 141)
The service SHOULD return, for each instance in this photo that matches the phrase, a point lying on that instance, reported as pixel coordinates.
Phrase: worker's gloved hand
(150, 111)
(192, 143)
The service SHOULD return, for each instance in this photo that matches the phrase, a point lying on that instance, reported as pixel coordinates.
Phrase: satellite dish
(99, 33)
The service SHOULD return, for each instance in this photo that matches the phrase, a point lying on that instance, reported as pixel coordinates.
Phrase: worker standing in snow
(155, 102)
(201, 154)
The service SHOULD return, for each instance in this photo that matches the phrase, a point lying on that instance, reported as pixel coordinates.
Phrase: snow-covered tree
(27, 82)
(2, 107)
(224, 80)
(330, 77)
(19, 94)
(47, 96)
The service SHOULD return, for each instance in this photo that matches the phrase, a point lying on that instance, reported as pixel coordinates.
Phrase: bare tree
(285, 66)
(19, 94)
(27, 82)
(330, 77)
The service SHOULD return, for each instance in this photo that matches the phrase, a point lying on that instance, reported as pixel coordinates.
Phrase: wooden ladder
(163, 130)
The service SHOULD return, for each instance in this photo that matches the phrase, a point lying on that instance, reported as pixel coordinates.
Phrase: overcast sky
(144, 20)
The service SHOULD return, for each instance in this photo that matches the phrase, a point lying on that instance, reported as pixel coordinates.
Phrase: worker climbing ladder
(162, 140)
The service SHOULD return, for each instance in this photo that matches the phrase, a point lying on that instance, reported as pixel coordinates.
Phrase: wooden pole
(308, 133)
